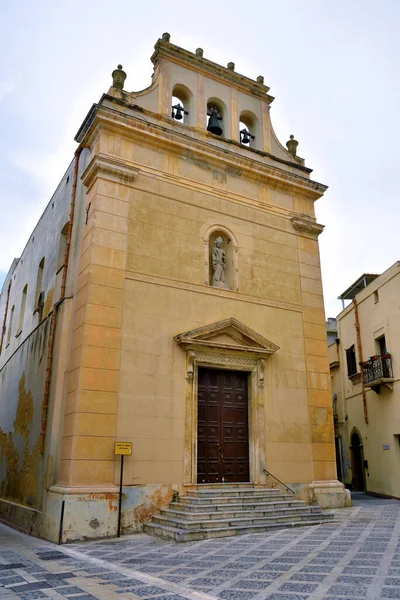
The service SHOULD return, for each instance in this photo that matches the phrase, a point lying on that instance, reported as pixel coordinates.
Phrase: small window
(376, 296)
(10, 325)
(351, 361)
(39, 282)
(22, 312)
(62, 246)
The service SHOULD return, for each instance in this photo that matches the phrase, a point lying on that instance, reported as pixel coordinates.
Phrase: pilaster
(316, 352)
(90, 416)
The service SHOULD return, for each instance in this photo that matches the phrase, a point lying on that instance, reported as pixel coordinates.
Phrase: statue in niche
(219, 262)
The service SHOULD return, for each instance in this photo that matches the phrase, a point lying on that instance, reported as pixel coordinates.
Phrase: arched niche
(181, 95)
(251, 123)
(357, 461)
(222, 114)
(230, 247)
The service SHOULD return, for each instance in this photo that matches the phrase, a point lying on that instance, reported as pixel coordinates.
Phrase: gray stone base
(329, 494)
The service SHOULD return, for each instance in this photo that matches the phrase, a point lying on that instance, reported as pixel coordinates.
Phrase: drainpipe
(3, 329)
(50, 346)
(359, 347)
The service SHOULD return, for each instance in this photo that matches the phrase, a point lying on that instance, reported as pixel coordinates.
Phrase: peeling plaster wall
(22, 389)
(25, 472)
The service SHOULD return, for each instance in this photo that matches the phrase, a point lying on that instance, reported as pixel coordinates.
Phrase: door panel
(223, 444)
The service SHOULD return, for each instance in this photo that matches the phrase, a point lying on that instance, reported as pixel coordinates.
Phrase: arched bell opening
(249, 130)
(216, 117)
(182, 104)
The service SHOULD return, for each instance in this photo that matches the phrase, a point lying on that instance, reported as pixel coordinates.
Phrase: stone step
(220, 511)
(178, 513)
(259, 497)
(231, 491)
(212, 486)
(181, 535)
(236, 522)
(188, 506)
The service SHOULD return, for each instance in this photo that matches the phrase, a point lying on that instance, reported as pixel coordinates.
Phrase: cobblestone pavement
(358, 556)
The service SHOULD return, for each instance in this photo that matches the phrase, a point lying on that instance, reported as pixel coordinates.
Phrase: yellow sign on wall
(123, 448)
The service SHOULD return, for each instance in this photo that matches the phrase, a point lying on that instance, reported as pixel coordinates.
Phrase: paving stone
(390, 592)
(360, 570)
(172, 578)
(56, 576)
(85, 597)
(28, 587)
(302, 588)
(236, 595)
(267, 575)
(348, 590)
(277, 596)
(252, 584)
(11, 579)
(35, 595)
(12, 566)
(354, 580)
(186, 571)
(53, 555)
(69, 590)
(284, 559)
(307, 577)
(361, 563)
(128, 583)
(226, 573)
(148, 590)
(169, 597)
(205, 582)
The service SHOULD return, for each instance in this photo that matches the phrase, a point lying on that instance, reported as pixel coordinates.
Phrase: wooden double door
(223, 426)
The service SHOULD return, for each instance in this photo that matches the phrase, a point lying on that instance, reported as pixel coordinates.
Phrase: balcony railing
(377, 368)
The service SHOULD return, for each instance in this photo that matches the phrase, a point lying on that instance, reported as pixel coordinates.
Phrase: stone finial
(119, 77)
(166, 37)
(292, 145)
(260, 79)
(231, 66)
(199, 52)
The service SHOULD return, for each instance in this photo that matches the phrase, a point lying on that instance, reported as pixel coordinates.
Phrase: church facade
(176, 304)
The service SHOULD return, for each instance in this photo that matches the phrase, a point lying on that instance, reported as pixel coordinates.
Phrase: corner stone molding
(108, 167)
(305, 224)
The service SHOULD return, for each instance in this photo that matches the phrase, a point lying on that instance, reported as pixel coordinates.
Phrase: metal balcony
(377, 370)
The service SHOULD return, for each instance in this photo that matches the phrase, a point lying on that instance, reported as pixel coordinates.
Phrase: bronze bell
(245, 137)
(213, 125)
(178, 113)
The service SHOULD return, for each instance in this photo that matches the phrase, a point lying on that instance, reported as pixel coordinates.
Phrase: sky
(332, 66)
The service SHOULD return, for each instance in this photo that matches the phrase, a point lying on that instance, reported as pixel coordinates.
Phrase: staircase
(232, 509)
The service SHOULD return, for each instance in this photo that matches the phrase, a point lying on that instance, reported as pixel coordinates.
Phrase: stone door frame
(256, 437)
(227, 344)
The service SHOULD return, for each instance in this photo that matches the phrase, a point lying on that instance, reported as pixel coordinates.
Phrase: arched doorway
(357, 462)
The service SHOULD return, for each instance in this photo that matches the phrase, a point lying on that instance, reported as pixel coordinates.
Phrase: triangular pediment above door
(229, 334)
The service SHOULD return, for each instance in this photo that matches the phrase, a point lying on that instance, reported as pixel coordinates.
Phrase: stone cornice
(110, 168)
(209, 68)
(201, 149)
(305, 224)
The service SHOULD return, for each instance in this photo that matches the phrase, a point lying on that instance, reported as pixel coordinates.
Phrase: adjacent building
(169, 297)
(365, 388)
